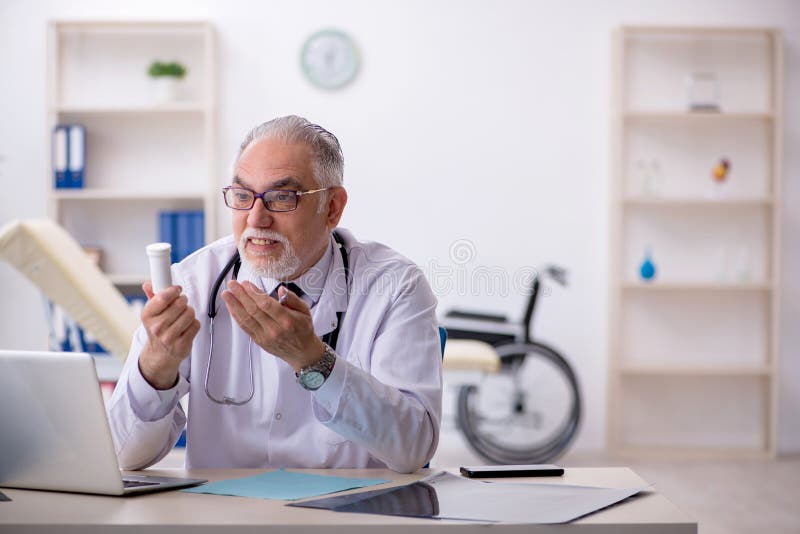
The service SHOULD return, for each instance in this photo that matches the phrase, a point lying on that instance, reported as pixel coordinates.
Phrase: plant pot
(166, 89)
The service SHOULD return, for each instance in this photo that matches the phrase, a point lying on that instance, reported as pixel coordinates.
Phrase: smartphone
(490, 471)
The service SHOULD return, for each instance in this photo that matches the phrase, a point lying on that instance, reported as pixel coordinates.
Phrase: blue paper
(284, 485)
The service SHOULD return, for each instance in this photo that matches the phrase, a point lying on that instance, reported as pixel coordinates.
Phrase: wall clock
(329, 59)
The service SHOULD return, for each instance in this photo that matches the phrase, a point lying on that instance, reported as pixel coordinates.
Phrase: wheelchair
(525, 407)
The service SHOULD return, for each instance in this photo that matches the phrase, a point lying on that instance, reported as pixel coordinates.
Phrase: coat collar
(334, 296)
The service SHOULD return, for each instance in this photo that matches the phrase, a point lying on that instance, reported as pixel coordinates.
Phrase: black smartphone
(490, 471)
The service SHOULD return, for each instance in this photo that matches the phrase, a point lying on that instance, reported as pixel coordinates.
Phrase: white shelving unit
(143, 155)
(693, 352)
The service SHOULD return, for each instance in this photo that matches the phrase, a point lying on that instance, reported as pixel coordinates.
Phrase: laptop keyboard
(136, 483)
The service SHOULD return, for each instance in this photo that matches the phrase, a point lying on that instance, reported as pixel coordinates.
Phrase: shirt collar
(312, 282)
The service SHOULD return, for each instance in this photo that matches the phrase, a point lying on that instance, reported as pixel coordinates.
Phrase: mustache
(250, 233)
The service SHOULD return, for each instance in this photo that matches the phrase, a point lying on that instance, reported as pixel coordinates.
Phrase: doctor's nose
(259, 215)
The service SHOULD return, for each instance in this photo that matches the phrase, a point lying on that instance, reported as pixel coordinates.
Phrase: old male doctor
(325, 349)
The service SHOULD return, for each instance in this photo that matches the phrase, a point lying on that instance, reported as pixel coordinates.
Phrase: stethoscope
(233, 265)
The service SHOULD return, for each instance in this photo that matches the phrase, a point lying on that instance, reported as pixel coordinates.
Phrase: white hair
(328, 164)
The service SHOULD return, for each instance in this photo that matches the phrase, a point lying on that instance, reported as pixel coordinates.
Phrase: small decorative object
(649, 176)
(721, 169)
(165, 79)
(719, 175)
(329, 59)
(647, 270)
(702, 92)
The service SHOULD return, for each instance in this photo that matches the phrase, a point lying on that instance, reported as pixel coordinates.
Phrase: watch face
(329, 59)
(313, 379)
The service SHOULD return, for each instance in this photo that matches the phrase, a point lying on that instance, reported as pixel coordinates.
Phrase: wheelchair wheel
(528, 412)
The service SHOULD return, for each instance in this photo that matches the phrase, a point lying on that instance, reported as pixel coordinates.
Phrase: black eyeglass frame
(263, 197)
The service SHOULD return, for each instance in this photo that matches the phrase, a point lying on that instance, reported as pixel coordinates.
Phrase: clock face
(329, 59)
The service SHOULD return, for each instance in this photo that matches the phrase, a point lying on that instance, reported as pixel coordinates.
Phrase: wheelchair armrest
(460, 314)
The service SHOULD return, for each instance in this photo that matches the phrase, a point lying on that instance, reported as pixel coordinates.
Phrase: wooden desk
(175, 511)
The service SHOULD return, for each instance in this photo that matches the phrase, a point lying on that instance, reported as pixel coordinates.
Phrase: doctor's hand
(283, 329)
(171, 327)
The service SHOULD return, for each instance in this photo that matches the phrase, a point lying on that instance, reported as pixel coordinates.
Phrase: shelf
(135, 27)
(173, 107)
(687, 370)
(113, 194)
(127, 279)
(144, 155)
(696, 286)
(699, 31)
(697, 116)
(102, 67)
(693, 353)
(688, 202)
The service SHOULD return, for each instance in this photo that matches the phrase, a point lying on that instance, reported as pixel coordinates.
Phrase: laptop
(54, 434)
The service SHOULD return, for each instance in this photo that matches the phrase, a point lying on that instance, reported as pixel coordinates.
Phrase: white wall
(457, 101)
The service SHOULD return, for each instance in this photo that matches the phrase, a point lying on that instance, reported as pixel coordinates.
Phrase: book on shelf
(69, 155)
(65, 335)
(184, 230)
(68, 336)
(60, 156)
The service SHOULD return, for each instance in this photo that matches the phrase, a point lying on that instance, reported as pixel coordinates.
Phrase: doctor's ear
(337, 200)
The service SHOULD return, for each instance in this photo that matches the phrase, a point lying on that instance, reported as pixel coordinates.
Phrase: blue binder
(59, 156)
(167, 232)
(183, 234)
(76, 158)
(184, 230)
(69, 155)
(198, 231)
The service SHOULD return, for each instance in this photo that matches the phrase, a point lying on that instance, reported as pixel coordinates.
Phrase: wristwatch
(313, 376)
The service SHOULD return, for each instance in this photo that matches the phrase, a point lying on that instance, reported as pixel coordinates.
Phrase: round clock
(329, 59)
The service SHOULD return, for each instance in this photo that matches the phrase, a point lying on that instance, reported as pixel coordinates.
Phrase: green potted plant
(166, 76)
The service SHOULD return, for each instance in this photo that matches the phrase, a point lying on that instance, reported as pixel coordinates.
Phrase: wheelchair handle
(559, 274)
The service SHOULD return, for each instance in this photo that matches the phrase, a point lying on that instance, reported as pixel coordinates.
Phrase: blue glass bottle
(647, 270)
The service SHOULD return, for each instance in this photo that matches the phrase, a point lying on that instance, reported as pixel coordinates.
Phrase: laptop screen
(55, 431)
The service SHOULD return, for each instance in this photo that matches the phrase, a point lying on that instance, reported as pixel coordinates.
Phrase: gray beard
(281, 268)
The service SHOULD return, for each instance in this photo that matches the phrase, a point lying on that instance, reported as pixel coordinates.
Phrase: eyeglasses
(240, 198)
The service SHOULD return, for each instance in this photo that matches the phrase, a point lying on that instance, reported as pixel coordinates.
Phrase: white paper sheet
(446, 496)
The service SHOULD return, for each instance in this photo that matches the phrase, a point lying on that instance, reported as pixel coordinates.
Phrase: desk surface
(42, 511)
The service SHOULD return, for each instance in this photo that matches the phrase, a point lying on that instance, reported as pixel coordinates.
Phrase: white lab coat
(381, 406)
